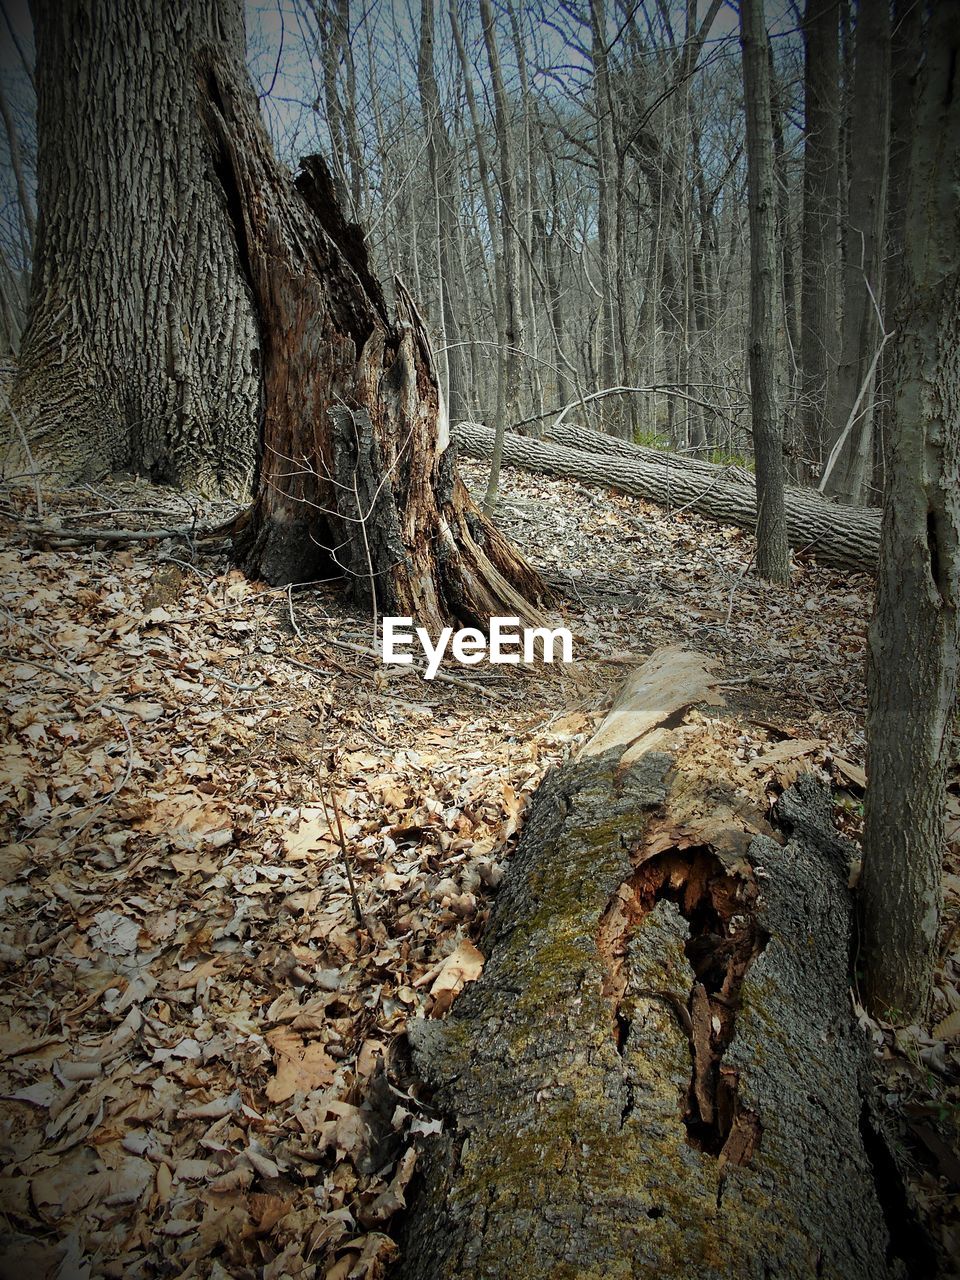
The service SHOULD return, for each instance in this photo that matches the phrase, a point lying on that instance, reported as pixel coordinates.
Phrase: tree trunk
(818, 290)
(141, 349)
(353, 471)
(905, 47)
(841, 536)
(509, 310)
(849, 468)
(607, 238)
(495, 275)
(773, 554)
(788, 277)
(656, 1073)
(439, 156)
(912, 670)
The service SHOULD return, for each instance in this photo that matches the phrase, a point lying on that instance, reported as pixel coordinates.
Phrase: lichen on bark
(565, 1084)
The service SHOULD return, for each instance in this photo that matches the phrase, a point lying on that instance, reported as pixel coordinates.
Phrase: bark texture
(141, 349)
(354, 431)
(657, 1073)
(843, 536)
(773, 553)
(821, 173)
(912, 666)
(849, 468)
(571, 436)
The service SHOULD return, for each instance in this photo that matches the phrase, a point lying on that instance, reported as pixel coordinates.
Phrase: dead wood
(658, 1072)
(848, 537)
(352, 474)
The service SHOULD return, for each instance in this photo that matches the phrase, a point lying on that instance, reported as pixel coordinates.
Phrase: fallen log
(571, 436)
(847, 537)
(658, 1072)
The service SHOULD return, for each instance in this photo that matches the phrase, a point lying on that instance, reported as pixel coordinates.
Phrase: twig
(108, 535)
(314, 671)
(293, 621)
(115, 791)
(733, 588)
(75, 673)
(37, 495)
(185, 564)
(232, 684)
(414, 669)
(341, 840)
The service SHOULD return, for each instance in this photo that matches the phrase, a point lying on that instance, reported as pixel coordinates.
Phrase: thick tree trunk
(912, 671)
(353, 472)
(837, 535)
(141, 350)
(773, 556)
(821, 172)
(656, 1074)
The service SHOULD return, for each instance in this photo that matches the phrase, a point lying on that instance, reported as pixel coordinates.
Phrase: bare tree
(773, 552)
(912, 671)
(510, 326)
(849, 467)
(439, 153)
(818, 294)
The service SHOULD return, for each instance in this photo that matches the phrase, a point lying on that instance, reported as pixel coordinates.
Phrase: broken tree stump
(658, 1072)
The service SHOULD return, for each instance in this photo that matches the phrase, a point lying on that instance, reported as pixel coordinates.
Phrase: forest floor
(195, 1000)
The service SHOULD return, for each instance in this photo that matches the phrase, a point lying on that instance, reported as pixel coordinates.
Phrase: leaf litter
(239, 856)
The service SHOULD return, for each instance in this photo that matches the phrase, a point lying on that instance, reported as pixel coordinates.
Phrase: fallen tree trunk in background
(571, 436)
(848, 537)
(658, 1072)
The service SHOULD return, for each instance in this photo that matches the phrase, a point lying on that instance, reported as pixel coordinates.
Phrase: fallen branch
(65, 537)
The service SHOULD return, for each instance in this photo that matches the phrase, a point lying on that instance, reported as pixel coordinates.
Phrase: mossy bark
(658, 1072)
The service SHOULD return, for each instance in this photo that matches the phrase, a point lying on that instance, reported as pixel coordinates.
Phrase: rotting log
(848, 537)
(658, 1072)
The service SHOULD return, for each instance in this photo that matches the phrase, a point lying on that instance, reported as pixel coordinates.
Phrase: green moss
(651, 440)
(721, 458)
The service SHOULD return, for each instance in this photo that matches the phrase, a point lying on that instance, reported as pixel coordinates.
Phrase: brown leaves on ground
(194, 1021)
